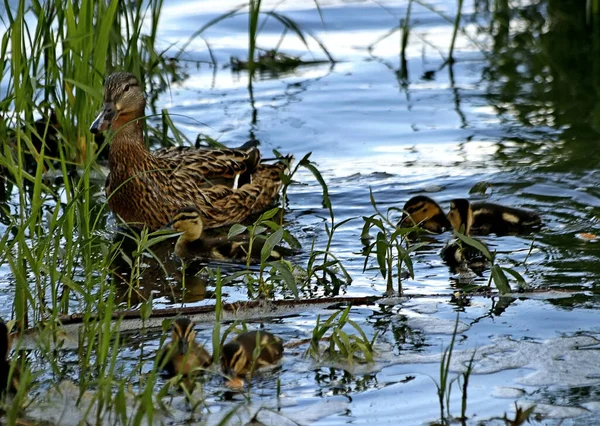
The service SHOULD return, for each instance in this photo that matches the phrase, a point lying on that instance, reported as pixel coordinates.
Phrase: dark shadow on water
(545, 73)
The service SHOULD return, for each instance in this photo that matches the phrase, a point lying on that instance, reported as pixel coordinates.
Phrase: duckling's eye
(126, 88)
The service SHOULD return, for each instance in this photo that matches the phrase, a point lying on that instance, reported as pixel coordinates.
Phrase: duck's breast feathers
(498, 219)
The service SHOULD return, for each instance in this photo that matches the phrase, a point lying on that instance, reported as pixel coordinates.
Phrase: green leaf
(381, 253)
(291, 240)
(500, 280)
(269, 214)
(370, 221)
(270, 224)
(343, 222)
(92, 92)
(317, 174)
(287, 276)
(516, 276)
(236, 229)
(270, 243)
(259, 229)
(475, 244)
(358, 329)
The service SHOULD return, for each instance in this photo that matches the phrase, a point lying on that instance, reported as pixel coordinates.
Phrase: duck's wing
(209, 167)
(223, 205)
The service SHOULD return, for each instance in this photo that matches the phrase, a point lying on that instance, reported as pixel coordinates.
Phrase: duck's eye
(126, 88)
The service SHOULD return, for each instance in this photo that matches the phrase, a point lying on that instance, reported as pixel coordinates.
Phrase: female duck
(426, 213)
(147, 188)
(184, 355)
(487, 218)
(250, 350)
(192, 245)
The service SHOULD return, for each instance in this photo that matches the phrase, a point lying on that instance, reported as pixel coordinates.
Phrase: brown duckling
(192, 245)
(426, 213)
(5, 344)
(147, 188)
(238, 356)
(185, 355)
(457, 253)
(487, 218)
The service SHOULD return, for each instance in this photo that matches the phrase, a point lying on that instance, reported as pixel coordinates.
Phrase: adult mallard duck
(148, 188)
(193, 245)
(184, 355)
(250, 350)
(426, 213)
(484, 218)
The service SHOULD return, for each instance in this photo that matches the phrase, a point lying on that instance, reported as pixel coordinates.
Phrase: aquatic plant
(255, 11)
(391, 246)
(497, 272)
(279, 269)
(343, 346)
(332, 271)
(445, 383)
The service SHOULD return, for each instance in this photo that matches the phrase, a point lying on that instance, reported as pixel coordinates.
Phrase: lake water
(518, 109)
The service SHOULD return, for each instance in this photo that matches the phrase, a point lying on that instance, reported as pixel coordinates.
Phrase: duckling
(456, 253)
(185, 355)
(5, 343)
(238, 356)
(191, 245)
(487, 218)
(147, 188)
(426, 213)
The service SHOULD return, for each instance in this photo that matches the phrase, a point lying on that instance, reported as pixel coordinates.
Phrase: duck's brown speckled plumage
(149, 188)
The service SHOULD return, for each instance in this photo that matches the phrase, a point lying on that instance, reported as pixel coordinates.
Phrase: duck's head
(461, 215)
(426, 213)
(233, 358)
(189, 221)
(183, 335)
(123, 101)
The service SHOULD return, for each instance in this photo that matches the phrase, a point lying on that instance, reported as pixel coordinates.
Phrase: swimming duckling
(426, 213)
(487, 218)
(457, 253)
(5, 343)
(242, 355)
(191, 245)
(185, 355)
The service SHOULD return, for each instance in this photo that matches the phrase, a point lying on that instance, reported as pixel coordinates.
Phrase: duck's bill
(104, 119)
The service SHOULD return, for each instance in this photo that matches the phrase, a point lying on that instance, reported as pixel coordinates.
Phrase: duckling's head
(183, 334)
(233, 358)
(426, 213)
(461, 215)
(189, 221)
(123, 101)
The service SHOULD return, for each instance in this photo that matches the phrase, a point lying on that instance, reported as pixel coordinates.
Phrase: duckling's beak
(104, 119)
(183, 347)
(229, 372)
